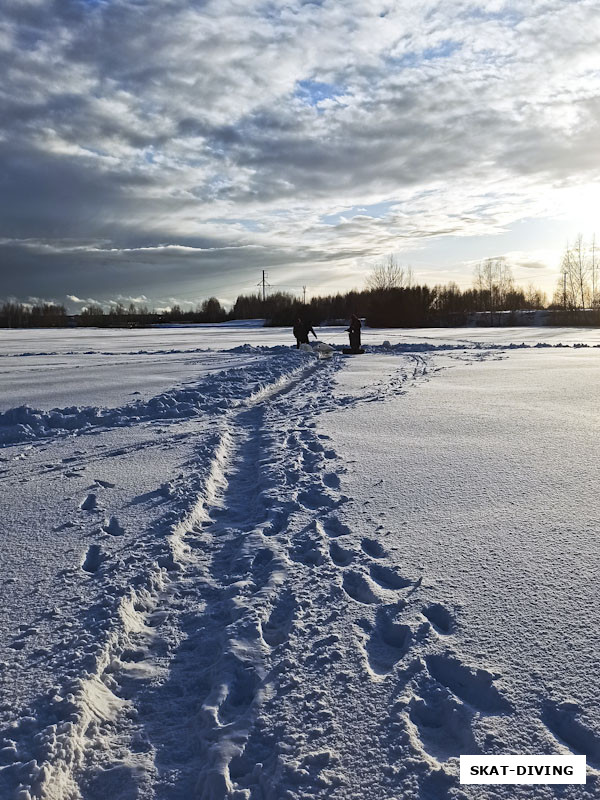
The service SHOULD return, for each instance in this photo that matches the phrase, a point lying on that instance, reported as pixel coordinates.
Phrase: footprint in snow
(475, 687)
(443, 725)
(309, 438)
(359, 588)
(93, 559)
(262, 567)
(389, 641)
(388, 578)
(262, 558)
(276, 629)
(104, 484)
(113, 527)
(240, 683)
(331, 480)
(440, 618)
(313, 499)
(316, 447)
(292, 441)
(90, 503)
(562, 719)
(334, 528)
(310, 463)
(340, 556)
(309, 550)
(373, 548)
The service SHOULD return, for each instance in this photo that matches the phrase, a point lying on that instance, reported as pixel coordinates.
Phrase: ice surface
(273, 576)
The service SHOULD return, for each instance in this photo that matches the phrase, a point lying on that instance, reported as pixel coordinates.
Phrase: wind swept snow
(216, 393)
(294, 578)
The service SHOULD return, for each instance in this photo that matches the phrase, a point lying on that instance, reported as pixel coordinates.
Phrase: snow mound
(213, 395)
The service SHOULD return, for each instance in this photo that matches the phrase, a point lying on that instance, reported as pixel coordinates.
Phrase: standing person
(301, 330)
(354, 331)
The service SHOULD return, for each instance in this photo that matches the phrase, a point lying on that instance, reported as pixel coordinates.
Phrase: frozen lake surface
(232, 570)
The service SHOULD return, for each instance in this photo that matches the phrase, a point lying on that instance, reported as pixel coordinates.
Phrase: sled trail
(281, 648)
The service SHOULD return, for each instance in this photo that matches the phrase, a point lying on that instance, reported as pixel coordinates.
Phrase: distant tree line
(388, 306)
(134, 316)
(42, 315)
(51, 315)
(391, 298)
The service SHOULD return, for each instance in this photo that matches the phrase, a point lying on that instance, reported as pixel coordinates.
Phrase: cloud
(188, 148)
(532, 265)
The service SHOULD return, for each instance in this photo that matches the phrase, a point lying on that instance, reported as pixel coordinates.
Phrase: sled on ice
(321, 349)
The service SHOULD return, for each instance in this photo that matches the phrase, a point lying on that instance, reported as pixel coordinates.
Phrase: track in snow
(220, 571)
(284, 653)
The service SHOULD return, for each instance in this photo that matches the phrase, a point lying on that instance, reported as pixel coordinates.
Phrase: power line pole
(304, 295)
(594, 271)
(263, 282)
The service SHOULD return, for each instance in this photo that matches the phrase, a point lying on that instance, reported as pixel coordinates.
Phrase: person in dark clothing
(354, 331)
(301, 331)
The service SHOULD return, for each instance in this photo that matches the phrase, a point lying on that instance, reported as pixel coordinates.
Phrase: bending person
(301, 330)
(354, 331)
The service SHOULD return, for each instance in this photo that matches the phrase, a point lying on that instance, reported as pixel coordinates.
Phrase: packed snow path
(273, 643)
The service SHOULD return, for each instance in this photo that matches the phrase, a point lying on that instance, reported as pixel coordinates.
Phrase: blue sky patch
(313, 92)
(443, 50)
(376, 210)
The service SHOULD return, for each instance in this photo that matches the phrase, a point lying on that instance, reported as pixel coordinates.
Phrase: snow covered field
(230, 570)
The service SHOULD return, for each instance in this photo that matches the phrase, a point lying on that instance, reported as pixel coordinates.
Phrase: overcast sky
(172, 149)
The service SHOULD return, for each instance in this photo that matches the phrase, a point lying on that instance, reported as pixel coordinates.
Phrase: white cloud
(146, 151)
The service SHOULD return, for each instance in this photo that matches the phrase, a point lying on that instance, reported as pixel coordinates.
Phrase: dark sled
(348, 351)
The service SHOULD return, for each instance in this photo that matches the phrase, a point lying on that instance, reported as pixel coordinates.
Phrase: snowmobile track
(278, 640)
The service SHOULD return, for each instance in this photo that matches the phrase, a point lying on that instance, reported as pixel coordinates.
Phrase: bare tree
(93, 310)
(594, 268)
(581, 268)
(576, 286)
(389, 275)
(493, 279)
(535, 298)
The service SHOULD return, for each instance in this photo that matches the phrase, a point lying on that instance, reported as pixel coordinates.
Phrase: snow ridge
(216, 394)
(94, 705)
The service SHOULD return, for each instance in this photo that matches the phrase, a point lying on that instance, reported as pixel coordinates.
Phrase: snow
(57, 368)
(273, 576)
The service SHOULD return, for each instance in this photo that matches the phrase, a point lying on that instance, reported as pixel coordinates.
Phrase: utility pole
(304, 295)
(594, 271)
(565, 289)
(264, 291)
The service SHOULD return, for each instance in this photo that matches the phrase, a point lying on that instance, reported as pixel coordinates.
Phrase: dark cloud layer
(171, 148)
